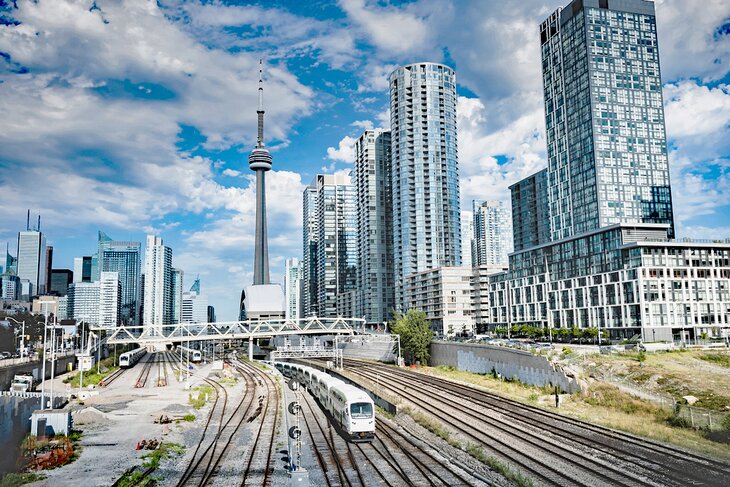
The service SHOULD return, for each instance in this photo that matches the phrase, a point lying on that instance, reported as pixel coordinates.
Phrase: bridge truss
(229, 330)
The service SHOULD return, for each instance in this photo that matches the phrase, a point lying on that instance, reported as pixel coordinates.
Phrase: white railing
(230, 330)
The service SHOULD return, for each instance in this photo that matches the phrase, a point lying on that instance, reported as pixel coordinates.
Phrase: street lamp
(22, 336)
(45, 357)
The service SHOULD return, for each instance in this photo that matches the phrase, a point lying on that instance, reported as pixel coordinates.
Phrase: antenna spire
(260, 111)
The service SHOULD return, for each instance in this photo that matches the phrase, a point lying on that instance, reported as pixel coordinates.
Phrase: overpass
(229, 330)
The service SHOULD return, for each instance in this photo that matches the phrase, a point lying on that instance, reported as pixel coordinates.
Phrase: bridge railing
(248, 329)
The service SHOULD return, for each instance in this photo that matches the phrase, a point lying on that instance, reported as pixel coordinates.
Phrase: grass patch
(228, 381)
(382, 412)
(198, 401)
(497, 465)
(433, 426)
(15, 479)
(611, 397)
(135, 476)
(721, 359)
(189, 418)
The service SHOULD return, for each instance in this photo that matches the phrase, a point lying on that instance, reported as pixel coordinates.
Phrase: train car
(326, 383)
(354, 410)
(129, 359)
(194, 355)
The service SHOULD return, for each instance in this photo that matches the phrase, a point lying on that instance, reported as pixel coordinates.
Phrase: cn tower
(260, 161)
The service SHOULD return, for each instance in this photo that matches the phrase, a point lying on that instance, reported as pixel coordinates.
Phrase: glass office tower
(123, 258)
(425, 170)
(606, 139)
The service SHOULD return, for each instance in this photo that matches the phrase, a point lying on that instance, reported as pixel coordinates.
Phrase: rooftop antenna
(39, 224)
(260, 111)
(27, 222)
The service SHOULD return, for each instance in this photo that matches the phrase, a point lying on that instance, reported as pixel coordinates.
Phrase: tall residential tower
(375, 295)
(425, 170)
(604, 117)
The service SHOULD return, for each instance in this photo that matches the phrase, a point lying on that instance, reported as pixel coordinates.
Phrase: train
(194, 355)
(350, 407)
(129, 359)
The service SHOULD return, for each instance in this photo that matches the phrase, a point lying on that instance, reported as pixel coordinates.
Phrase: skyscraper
(194, 306)
(604, 117)
(32, 258)
(176, 288)
(425, 174)
(309, 252)
(334, 255)
(83, 302)
(123, 258)
(292, 287)
(110, 299)
(492, 233)
(158, 283)
(375, 294)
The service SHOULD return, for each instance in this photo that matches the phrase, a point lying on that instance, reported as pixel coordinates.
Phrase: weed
(16, 479)
(721, 359)
(611, 397)
(498, 466)
(189, 417)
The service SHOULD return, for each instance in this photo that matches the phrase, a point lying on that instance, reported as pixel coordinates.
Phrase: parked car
(4, 355)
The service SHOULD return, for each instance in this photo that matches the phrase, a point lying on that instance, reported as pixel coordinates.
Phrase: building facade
(492, 233)
(309, 251)
(445, 295)
(604, 117)
(480, 294)
(375, 296)
(110, 299)
(60, 280)
(32, 261)
(425, 171)
(82, 268)
(629, 281)
(83, 302)
(157, 283)
(332, 261)
(176, 298)
(530, 211)
(124, 258)
(292, 287)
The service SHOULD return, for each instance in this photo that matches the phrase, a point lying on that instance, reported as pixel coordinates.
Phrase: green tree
(415, 336)
(590, 333)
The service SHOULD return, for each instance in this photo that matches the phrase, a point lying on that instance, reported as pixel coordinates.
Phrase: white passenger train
(195, 355)
(350, 407)
(128, 359)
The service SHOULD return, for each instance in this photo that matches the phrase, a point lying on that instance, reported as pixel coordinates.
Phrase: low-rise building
(480, 294)
(629, 280)
(445, 295)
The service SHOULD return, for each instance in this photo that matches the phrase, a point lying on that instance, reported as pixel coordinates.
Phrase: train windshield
(361, 410)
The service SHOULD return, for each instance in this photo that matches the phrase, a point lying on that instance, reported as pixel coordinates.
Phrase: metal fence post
(691, 417)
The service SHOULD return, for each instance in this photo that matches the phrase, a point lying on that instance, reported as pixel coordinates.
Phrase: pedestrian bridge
(229, 330)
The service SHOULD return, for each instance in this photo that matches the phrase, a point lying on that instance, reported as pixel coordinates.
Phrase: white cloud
(694, 110)
(344, 152)
(231, 172)
(363, 124)
(389, 28)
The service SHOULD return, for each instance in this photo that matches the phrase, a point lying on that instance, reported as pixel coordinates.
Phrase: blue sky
(137, 117)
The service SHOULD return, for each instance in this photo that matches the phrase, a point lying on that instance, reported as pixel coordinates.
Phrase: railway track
(162, 359)
(258, 466)
(260, 402)
(392, 457)
(111, 377)
(553, 449)
(326, 446)
(145, 372)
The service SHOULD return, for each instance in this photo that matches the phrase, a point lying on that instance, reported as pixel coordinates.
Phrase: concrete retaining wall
(35, 369)
(509, 363)
(365, 349)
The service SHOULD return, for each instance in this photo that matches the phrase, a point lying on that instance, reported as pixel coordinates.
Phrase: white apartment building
(292, 287)
(445, 295)
(110, 299)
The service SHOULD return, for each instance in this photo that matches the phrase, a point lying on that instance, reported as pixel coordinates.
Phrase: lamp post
(22, 336)
(45, 357)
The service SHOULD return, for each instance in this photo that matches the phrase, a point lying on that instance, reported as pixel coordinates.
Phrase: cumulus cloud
(231, 172)
(345, 151)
